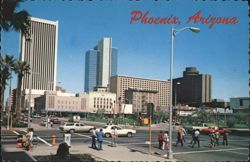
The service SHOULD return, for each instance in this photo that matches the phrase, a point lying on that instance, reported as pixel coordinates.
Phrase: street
(236, 151)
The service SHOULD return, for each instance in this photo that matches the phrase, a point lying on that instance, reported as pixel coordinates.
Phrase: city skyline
(144, 49)
(100, 64)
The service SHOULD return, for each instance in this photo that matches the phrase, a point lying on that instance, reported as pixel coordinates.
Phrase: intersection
(236, 151)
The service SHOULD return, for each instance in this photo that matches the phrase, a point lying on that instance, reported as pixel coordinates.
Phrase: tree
(6, 66)
(21, 68)
(11, 19)
(202, 115)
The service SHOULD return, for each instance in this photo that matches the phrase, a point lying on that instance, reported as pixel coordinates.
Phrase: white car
(107, 130)
(75, 127)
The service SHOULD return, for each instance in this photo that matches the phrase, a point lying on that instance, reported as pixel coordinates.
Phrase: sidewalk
(119, 153)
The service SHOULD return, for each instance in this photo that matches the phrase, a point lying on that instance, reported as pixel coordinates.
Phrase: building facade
(139, 98)
(100, 64)
(40, 51)
(91, 58)
(192, 89)
(239, 103)
(92, 102)
(120, 84)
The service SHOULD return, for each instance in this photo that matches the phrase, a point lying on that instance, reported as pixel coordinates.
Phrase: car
(37, 116)
(107, 130)
(26, 119)
(44, 123)
(75, 127)
(55, 121)
(213, 129)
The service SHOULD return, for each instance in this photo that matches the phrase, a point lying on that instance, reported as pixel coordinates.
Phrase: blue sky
(144, 49)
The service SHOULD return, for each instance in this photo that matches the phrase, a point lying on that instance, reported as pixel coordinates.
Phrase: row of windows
(102, 99)
(67, 107)
(67, 102)
(105, 111)
(102, 106)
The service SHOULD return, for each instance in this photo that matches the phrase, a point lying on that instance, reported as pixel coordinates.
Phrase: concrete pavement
(119, 153)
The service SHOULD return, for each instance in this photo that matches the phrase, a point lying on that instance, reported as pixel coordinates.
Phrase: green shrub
(230, 122)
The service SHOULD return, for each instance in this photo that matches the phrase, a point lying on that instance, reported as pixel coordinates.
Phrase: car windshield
(69, 124)
(104, 127)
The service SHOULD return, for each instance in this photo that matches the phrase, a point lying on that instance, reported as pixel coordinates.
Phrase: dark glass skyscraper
(100, 65)
(90, 70)
(192, 89)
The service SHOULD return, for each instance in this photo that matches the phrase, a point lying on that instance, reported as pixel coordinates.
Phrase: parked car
(26, 119)
(44, 123)
(55, 121)
(107, 130)
(37, 116)
(75, 127)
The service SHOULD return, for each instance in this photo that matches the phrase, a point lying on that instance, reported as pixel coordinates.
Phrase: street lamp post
(30, 39)
(175, 97)
(173, 34)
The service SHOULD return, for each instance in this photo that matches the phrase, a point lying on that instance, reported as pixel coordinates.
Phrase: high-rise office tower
(192, 89)
(100, 65)
(40, 51)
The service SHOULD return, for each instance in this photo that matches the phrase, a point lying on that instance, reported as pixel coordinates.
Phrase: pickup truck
(200, 127)
(203, 126)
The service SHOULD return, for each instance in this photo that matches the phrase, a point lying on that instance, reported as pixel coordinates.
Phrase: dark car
(55, 121)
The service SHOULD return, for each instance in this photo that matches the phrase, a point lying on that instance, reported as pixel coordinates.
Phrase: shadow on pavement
(16, 156)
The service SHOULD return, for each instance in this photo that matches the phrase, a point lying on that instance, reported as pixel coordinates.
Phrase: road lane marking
(16, 132)
(124, 144)
(43, 141)
(237, 152)
(193, 152)
(90, 137)
(82, 135)
(238, 140)
(39, 138)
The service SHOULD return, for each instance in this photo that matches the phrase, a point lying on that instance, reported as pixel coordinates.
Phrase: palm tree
(10, 19)
(21, 69)
(6, 66)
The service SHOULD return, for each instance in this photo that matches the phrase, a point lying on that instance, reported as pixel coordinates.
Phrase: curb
(154, 153)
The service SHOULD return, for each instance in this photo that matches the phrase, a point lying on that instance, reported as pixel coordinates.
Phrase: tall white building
(41, 53)
(100, 64)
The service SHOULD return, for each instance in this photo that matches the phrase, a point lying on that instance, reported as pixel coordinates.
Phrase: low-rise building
(239, 103)
(120, 84)
(91, 102)
(139, 98)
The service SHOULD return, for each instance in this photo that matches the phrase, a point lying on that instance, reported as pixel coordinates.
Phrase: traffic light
(150, 110)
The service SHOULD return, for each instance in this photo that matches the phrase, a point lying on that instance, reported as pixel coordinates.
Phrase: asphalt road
(236, 151)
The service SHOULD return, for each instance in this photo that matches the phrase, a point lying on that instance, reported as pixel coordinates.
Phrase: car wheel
(129, 134)
(90, 130)
(71, 130)
(107, 135)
